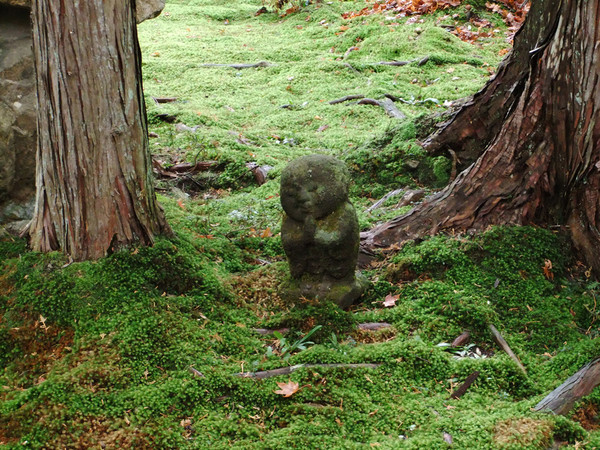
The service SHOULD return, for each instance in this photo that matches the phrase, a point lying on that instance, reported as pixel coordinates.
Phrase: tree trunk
(94, 182)
(543, 167)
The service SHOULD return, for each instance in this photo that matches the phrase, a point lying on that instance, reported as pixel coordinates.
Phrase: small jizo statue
(320, 231)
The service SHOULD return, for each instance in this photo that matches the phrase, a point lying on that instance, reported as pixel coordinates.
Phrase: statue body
(320, 232)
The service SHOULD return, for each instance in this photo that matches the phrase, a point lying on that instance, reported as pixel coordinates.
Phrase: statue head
(314, 185)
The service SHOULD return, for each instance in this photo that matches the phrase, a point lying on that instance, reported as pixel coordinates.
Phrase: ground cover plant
(143, 349)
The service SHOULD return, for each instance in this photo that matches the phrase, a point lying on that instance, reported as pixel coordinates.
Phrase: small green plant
(286, 347)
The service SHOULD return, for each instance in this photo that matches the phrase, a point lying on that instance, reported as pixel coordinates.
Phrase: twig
(502, 343)
(183, 169)
(412, 101)
(239, 66)
(373, 326)
(423, 61)
(395, 63)
(287, 370)
(386, 104)
(351, 67)
(380, 202)
(466, 385)
(159, 100)
(411, 196)
(195, 372)
(346, 98)
(266, 331)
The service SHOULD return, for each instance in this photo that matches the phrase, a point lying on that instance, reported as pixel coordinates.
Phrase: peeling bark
(94, 183)
(542, 166)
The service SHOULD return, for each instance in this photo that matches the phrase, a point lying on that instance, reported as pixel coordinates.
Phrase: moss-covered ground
(141, 349)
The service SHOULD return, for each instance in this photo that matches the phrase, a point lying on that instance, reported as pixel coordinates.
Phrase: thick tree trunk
(543, 166)
(94, 183)
(477, 123)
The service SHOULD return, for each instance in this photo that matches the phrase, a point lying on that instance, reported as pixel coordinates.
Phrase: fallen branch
(395, 63)
(502, 343)
(159, 100)
(195, 372)
(351, 67)
(239, 66)
(182, 169)
(373, 326)
(466, 385)
(411, 196)
(287, 370)
(412, 101)
(267, 331)
(386, 104)
(380, 202)
(582, 383)
(346, 98)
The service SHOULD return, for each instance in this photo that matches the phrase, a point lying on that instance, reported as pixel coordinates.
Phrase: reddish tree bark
(94, 185)
(543, 164)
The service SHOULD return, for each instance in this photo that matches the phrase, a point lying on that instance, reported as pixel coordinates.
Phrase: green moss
(101, 351)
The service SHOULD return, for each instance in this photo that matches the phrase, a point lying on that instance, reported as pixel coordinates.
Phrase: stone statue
(320, 232)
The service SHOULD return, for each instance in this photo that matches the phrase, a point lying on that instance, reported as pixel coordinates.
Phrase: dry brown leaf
(390, 300)
(287, 389)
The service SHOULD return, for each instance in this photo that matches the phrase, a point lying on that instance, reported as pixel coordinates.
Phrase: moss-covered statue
(320, 232)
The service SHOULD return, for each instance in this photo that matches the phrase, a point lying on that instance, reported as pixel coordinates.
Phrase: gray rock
(320, 233)
(17, 107)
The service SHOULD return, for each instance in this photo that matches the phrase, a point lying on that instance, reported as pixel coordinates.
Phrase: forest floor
(144, 348)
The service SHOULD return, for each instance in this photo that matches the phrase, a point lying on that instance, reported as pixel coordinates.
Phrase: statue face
(314, 185)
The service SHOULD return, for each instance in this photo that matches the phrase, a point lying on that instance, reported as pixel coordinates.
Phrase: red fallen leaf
(287, 389)
(390, 300)
(548, 269)
(180, 203)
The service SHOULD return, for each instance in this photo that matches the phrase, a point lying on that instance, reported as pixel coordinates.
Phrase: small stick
(373, 326)
(395, 63)
(287, 370)
(195, 372)
(159, 100)
(466, 385)
(266, 331)
(386, 104)
(378, 203)
(346, 98)
(239, 66)
(502, 343)
(351, 67)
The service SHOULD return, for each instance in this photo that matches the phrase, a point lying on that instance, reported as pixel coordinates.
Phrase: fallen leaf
(287, 389)
(548, 269)
(180, 203)
(390, 300)
(266, 233)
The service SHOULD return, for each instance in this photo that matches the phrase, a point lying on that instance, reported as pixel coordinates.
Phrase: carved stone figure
(320, 231)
